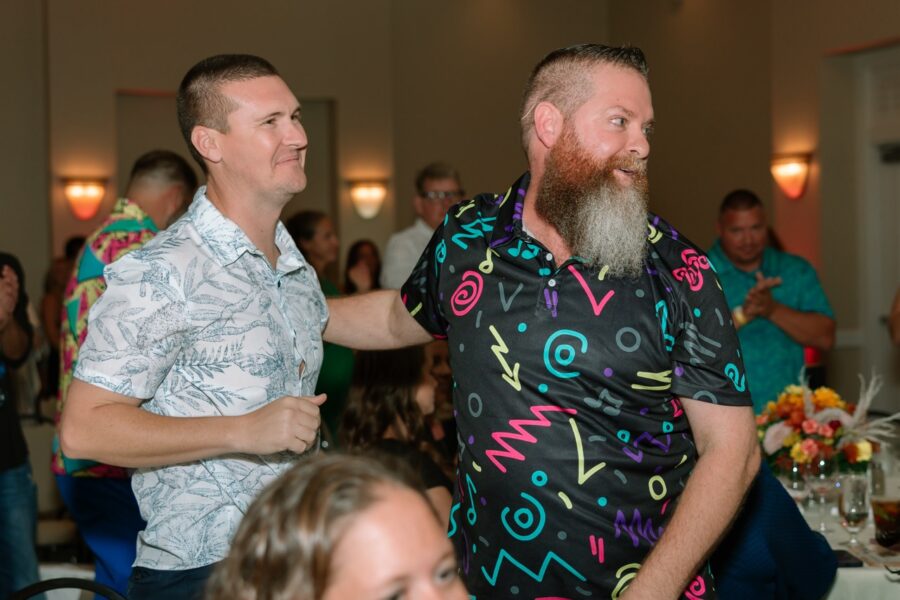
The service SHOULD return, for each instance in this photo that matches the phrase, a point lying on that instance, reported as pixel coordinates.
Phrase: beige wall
(709, 74)
(23, 151)
(733, 84)
(325, 50)
(412, 81)
(826, 221)
(459, 71)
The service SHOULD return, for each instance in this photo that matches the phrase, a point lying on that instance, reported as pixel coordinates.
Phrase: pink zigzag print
(522, 435)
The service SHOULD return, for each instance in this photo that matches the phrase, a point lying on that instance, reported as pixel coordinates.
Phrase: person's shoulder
(168, 252)
(481, 209)
(667, 243)
(787, 261)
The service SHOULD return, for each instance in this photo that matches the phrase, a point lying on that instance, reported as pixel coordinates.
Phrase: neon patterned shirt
(574, 447)
(126, 228)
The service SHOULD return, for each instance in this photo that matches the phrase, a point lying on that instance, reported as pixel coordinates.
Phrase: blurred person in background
(438, 187)
(18, 493)
(392, 393)
(363, 267)
(777, 303)
(51, 311)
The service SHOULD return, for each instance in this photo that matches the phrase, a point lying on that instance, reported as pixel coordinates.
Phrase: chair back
(66, 583)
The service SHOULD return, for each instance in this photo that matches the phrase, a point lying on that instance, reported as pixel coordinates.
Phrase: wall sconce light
(791, 172)
(84, 196)
(368, 196)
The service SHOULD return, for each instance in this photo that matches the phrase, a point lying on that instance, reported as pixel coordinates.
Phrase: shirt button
(552, 283)
(279, 283)
(549, 256)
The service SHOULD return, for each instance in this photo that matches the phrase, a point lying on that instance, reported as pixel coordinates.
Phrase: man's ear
(548, 123)
(206, 141)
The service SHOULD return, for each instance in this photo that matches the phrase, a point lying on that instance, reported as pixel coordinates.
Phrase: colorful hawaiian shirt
(127, 228)
(197, 323)
(773, 359)
(574, 446)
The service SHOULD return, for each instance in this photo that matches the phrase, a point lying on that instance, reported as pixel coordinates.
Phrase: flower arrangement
(804, 423)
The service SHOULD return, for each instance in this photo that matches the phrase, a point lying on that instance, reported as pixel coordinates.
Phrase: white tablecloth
(859, 583)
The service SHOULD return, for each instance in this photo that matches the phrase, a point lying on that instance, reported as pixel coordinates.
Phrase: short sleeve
(706, 353)
(136, 329)
(421, 292)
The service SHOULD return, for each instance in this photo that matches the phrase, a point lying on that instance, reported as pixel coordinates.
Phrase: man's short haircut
(435, 170)
(200, 101)
(739, 200)
(561, 78)
(165, 165)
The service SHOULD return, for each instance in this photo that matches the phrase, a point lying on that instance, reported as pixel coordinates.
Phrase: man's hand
(759, 301)
(113, 429)
(289, 423)
(9, 295)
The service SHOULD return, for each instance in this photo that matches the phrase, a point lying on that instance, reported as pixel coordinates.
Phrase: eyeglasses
(443, 196)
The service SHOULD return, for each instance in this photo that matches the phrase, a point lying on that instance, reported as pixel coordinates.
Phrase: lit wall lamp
(84, 196)
(368, 196)
(791, 172)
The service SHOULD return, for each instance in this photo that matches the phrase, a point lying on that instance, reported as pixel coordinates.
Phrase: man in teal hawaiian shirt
(776, 300)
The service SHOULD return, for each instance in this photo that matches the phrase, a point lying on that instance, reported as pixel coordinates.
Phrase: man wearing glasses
(437, 189)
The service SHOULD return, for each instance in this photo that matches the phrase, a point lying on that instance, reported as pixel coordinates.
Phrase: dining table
(874, 580)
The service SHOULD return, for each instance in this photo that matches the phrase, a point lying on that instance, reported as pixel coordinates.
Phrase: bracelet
(740, 319)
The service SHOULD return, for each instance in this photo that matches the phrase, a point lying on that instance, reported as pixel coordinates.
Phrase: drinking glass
(854, 504)
(794, 482)
(820, 480)
(886, 512)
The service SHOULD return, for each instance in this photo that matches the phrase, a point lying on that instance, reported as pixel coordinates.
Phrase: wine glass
(854, 504)
(820, 480)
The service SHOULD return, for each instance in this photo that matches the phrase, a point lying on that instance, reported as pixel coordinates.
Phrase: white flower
(774, 439)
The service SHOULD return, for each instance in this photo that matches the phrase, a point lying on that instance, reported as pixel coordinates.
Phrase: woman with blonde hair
(337, 527)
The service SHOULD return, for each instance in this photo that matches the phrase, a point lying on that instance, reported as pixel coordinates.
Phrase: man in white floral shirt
(202, 355)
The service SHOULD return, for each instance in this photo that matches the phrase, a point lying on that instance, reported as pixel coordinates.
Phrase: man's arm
(728, 450)
(806, 328)
(374, 321)
(108, 427)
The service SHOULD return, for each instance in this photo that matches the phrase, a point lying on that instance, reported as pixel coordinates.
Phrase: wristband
(740, 319)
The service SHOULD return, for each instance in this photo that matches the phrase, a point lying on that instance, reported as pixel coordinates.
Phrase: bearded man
(606, 436)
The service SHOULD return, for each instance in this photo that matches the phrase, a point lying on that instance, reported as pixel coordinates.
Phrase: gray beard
(602, 222)
(608, 227)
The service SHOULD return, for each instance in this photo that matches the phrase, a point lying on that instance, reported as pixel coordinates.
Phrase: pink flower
(809, 446)
(826, 431)
(810, 426)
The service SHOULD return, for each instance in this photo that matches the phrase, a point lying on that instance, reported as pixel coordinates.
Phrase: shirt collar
(228, 242)
(508, 225)
(724, 264)
(129, 209)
